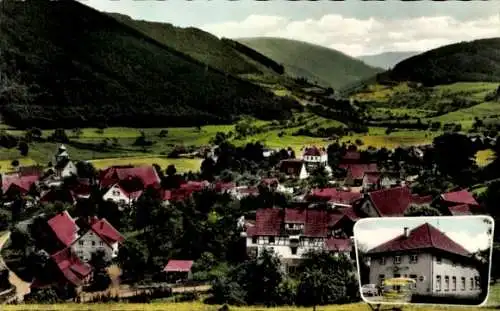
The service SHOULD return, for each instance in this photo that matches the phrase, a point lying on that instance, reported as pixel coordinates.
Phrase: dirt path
(22, 287)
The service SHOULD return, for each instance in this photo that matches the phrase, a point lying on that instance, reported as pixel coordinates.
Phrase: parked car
(369, 290)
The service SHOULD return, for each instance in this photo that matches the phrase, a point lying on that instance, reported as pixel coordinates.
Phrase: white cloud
(375, 237)
(363, 36)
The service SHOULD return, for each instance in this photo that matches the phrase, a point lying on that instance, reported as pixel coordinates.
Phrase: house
(294, 168)
(378, 180)
(63, 166)
(391, 202)
(243, 191)
(356, 172)
(122, 196)
(315, 155)
(351, 157)
(178, 270)
(335, 198)
(101, 236)
(64, 195)
(65, 268)
(64, 229)
(13, 184)
(146, 174)
(440, 266)
(291, 233)
(457, 198)
(274, 185)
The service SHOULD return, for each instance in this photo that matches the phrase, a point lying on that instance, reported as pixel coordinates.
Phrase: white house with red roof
(101, 236)
(315, 155)
(118, 194)
(458, 202)
(295, 168)
(114, 174)
(439, 265)
(291, 233)
(178, 270)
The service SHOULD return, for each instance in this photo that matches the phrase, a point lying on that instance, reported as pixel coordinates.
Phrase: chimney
(406, 233)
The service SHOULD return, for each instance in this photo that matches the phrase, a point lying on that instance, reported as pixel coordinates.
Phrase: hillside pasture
(466, 116)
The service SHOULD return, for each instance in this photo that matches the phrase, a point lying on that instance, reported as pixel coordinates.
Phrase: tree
(85, 169)
(171, 170)
(14, 163)
(421, 210)
(207, 169)
(453, 154)
(100, 277)
(327, 279)
(319, 178)
(59, 136)
(23, 148)
(132, 258)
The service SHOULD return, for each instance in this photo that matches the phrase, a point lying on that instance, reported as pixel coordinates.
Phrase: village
(297, 205)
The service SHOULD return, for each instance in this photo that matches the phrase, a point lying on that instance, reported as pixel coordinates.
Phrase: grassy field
(466, 116)
(492, 304)
(484, 157)
(182, 165)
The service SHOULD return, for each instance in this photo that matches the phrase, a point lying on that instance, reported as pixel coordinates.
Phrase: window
(93, 243)
(414, 277)
(413, 258)
(463, 283)
(438, 283)
(397, 260)
(397, 275)
(478, 285)
(271, 240)
(471, 283)
(254, 240)
(454, 283)
(101, 243)
(438, 260)
(446, 283)
(382, 261)
(116, 192)
(294, 250)
(80, 242)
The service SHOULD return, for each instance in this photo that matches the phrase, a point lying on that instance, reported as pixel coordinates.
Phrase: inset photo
(435, 260)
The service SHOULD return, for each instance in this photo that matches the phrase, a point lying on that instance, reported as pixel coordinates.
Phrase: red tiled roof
(335, 196)
(64, 227)
(22, 182)
(270, 221)
(131, 194)
(178, 266)
(372, 177)
(462, 209)
(72, 268)
(195, 185)
(422, 237)
(293, 215)
(352, 155)
(357, 171)
(314, 151)
(394, 201)
(416, 199)
(166, 195)
(107, 232)
(339, 245)
(460, 197)
(146, 173)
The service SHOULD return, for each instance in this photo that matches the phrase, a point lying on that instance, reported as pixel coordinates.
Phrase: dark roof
(294, 164)
(460, 197)
(394, 201)
(422, 237)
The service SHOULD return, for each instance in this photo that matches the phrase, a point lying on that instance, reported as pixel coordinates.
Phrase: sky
(352, 26)
(470, 232)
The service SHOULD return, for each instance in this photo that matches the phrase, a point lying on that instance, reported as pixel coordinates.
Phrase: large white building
(440, 266)
(291, 233)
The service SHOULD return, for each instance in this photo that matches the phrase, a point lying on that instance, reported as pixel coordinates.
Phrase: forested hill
(472, 61)
(64, 64)
(316, 63)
